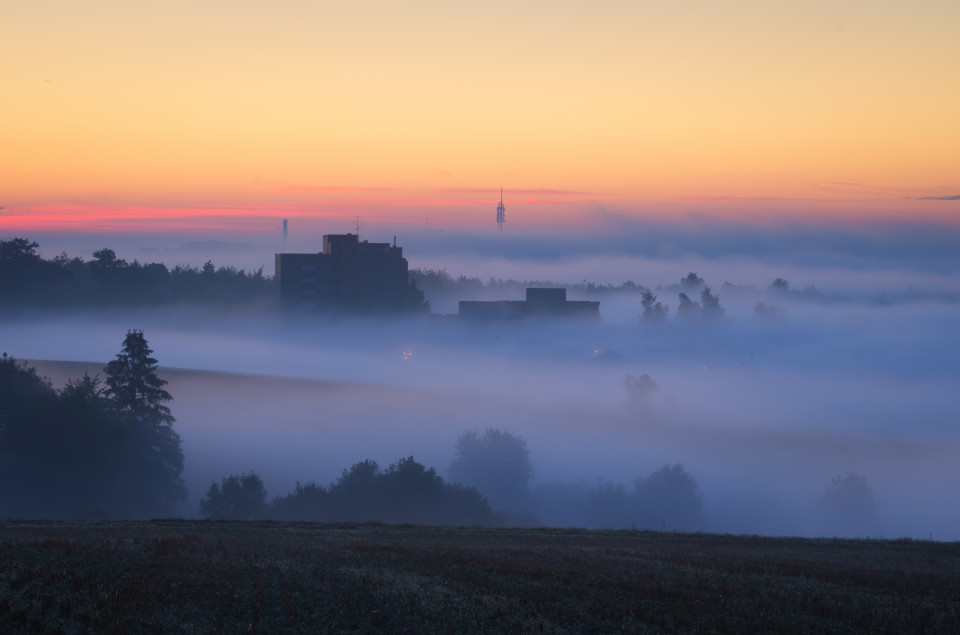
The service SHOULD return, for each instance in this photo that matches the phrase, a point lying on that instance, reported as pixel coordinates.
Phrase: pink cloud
(496, 190)
(332, 188)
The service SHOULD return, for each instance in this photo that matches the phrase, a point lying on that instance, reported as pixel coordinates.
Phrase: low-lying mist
(763, 413)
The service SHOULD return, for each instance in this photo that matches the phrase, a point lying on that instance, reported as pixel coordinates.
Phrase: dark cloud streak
(897, 245)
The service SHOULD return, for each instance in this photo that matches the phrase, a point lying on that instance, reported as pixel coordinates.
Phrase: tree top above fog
(133, 383)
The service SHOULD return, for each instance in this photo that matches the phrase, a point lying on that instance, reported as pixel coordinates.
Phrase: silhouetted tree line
(242, 497)
(437, 282)
(695, 300)
(497, 463)
(491, 471)
(28, 280)
(406, 492)
(88, 449)
(669, 499)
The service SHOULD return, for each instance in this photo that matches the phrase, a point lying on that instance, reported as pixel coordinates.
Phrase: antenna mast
(500, 211)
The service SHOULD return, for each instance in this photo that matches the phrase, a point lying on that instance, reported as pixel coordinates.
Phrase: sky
(218, 119)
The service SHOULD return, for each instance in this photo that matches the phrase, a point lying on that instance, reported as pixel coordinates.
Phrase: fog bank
(763, 413)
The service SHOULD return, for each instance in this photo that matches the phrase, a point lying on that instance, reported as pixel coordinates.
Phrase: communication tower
(500, 211)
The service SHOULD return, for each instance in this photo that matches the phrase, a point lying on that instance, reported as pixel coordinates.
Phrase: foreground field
(193, 576)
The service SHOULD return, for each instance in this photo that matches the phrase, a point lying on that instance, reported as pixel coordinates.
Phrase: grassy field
(194, 576)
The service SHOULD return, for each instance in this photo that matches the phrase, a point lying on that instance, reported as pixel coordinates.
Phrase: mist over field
(852, 371)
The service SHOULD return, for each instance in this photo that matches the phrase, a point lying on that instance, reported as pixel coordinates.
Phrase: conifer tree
(133, 383)
(156, 459)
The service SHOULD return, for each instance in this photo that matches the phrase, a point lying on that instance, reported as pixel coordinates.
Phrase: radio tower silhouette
(500, 211)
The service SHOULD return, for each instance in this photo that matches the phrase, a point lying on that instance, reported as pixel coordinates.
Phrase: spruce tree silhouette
(155, 459)
(133, 383)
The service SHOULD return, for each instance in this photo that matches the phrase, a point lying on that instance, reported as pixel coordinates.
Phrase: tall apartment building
(349, 274)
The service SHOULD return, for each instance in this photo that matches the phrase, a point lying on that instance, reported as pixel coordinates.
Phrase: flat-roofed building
(349, 274)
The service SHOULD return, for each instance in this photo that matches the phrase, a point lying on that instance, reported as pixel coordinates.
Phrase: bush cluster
(405, 492)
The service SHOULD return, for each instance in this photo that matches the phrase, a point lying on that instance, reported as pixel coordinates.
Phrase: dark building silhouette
(350, 275)
(539, 303)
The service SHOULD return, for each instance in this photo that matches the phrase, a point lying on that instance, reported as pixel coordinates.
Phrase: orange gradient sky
(185, 115)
